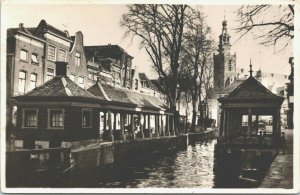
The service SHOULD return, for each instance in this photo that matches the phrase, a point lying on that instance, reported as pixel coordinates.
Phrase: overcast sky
(100, 25)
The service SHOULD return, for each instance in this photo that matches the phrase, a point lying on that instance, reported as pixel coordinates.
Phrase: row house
(31, 57)
(60, 112)
(45, 63)
(114, 60)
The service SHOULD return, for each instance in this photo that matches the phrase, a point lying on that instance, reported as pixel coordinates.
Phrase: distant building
(113, 59)
(227, 76)
(224, 61)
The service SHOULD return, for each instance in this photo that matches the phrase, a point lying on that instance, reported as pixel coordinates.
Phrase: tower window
(229, 65)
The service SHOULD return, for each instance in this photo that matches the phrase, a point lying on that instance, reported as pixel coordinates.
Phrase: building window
(56, 118)
(34, 59)
(136, 84)
(51, 52)
(50, 73)
(33, 80)
(30, 117)
(22, 81)
(77, 59)
(86, 118)
(229, 65)
(81, 81)
(72, 77)
(24, 55)
(62, 55)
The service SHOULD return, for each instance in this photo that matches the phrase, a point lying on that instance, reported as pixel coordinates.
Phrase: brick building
(45, 64)
(111, 59)
(32, 54)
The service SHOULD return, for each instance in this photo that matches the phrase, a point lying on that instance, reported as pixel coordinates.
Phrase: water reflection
(204, 164)
(192, 167)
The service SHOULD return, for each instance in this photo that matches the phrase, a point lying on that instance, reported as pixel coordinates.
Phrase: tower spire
(250, 68)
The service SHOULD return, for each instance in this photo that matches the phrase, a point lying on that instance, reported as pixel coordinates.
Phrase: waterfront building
(227, 76)
(55, 113)
(60, 112)
(249, 99)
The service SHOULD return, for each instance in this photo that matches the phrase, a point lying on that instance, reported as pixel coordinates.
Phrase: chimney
(21, 25)
(61, 68)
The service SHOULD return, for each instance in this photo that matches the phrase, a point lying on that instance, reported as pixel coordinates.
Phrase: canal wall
(89, 158)
(195, 137)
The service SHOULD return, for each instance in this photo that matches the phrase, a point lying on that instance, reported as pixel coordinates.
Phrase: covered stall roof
(251, 90)
(59, 88)
(125, 96)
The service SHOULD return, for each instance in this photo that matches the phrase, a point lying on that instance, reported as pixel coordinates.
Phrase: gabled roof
(125, 96)
(25, 31)
(250, 90)
(59, 86)
(43, 26)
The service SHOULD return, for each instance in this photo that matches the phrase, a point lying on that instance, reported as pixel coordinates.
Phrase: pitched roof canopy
(252, 91)
(58, 87)
(125, 96)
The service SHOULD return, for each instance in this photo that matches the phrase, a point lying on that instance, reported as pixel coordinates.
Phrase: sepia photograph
(149, 97)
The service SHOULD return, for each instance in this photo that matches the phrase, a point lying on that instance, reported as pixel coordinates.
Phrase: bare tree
(197, 54)
(271, 24)
(160, 29)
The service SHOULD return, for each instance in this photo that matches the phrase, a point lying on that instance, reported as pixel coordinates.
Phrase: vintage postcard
(135, 96)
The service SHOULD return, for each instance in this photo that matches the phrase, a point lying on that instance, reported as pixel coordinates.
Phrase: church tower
(224, 61)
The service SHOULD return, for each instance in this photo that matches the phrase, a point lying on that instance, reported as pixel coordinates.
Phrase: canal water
(189, 168)
(192, 167)
(200, 165)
